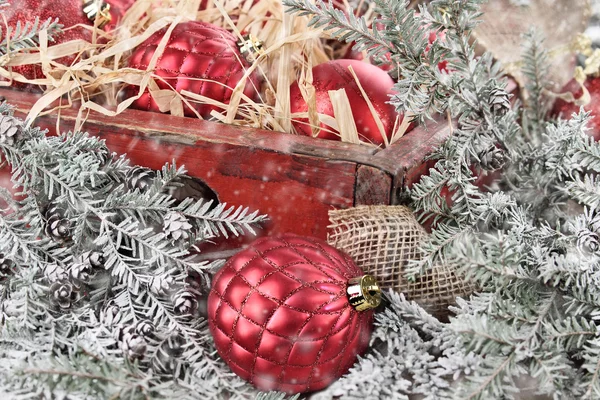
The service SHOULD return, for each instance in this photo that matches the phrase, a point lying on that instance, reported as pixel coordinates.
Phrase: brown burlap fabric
(381, 239)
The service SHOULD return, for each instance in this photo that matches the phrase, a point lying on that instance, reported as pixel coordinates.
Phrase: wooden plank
(373, 186)
(294, 179)
(165, 127)
(404, 160)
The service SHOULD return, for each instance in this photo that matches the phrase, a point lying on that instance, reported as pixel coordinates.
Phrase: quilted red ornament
(200, 58)
(566, 109)
(281, 313)
(334, 75)
(69, 14)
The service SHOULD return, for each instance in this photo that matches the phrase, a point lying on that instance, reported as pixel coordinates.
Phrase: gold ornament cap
(363, 293)
(251, 47)
(93, 8)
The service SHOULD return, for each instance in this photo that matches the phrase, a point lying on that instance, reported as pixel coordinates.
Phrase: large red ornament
(69, 14)
(281, 317)
(200, 58)
(334, 75)
(565, 109)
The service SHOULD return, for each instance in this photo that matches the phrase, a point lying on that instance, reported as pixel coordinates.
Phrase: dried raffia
(381, 239)
(371, 108)
(99, 73)
(343, 114)
(401, 127)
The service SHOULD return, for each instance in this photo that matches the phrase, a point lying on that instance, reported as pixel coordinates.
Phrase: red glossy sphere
(280, 317)
(118, 8)
(69, 14)
(335, 75)
(433, 36)
(566, 110)
(359, 55)
(200, 58)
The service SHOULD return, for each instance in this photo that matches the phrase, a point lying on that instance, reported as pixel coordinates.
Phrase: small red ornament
(433, 36)
(117, 10)
(566, 109)
(284, 313)
(200, 58)
(359, 55)
(69, 14)
(334, 75)
(107, 13)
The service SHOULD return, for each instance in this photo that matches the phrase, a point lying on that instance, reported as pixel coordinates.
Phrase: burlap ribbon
(381, 240)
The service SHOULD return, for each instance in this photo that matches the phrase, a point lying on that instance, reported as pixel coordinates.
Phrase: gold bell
(97, 9)
(251, 47)
(363, 293)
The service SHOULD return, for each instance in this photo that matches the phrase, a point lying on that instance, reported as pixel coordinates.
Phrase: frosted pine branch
(26, 35)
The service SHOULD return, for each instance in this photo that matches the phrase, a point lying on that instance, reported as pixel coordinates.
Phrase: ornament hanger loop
(251, 47)
(99, 9)
(364, 293)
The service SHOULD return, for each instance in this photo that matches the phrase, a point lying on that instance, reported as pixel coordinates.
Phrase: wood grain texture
(373, 186)
(404, 160)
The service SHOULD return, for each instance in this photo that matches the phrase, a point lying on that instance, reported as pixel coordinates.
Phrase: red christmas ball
(566, 109)
(433, 36)
(200, 58)
(281, 317)
(359, 55)
(335, 75)
(69, 14)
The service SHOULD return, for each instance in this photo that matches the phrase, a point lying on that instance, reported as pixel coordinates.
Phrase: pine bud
(58, 229)
(6, 266)
(94, 258)
(145, 328)
(104, 156)
(61, 294)
(11, 130)
(133, 345)
(588, 244)
(499, 101)
(184, 302)
(176, 226)
(139, 178)
(492, 159)
(80, 273)
(110, 315)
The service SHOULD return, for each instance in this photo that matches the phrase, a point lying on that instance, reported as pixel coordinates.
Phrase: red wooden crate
(294, 179)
